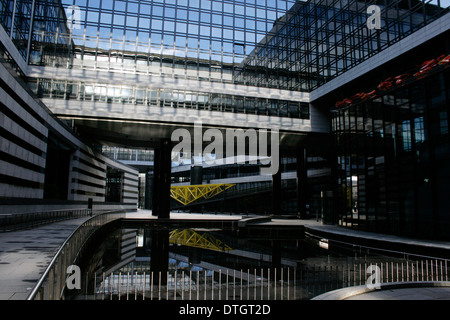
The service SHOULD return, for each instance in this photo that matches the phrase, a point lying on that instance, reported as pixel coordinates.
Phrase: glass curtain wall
(192, 39)
(288, 44)
(319, 40)
(189, 39)
(394, 160)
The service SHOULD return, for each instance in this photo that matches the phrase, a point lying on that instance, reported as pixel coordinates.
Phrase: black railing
(301, 283)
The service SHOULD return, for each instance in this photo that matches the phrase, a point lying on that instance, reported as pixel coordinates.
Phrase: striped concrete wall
(26, 126)
(87, 178)
(23, 142)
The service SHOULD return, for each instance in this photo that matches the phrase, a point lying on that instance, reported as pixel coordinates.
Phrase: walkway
(336, 230)
(349, 237)
(25, 255)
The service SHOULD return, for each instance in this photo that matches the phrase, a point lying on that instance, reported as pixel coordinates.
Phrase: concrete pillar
(162, 180)
(302, 182)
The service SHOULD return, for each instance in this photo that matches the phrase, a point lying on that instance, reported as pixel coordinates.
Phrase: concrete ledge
(345, 293)
(245, 221)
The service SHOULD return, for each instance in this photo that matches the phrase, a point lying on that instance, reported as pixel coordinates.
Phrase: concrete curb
(345, 293)
(245, 221)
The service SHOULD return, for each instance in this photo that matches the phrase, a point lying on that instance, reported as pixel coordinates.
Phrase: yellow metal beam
(189, 237)
(188, 194)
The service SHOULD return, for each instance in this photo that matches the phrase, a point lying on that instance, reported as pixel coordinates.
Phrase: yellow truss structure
(188, 194)
(189, 237)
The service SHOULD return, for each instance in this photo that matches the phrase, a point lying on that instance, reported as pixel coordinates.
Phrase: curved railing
(303, 282)
(52, 283)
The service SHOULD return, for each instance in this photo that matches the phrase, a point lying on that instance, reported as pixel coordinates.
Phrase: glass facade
(317, 41)
(393, 156)
(16, 20)
(291, 45)
(184, 39)
(194, 39)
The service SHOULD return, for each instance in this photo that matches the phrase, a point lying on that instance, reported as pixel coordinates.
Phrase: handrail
(375, 249)
(62, 254)
(28, 220)
(37, 212)
(47, 271)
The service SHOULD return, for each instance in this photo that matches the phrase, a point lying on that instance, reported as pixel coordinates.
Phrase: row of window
(68, 90)
(117, 153)
(238, 7)
(153, 16)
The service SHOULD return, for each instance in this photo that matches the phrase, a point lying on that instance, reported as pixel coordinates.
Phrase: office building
(363, 120)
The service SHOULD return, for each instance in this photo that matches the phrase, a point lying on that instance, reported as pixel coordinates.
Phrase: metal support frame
(191, 238)
(189, 194)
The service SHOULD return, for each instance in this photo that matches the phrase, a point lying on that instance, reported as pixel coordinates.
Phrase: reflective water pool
(207, 263)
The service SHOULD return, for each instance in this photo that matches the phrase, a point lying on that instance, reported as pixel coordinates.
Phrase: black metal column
(276, 193)
(156, 182)
(162, 179)
(302, 182)
(148, 191)
(196, 175)
(276, 254)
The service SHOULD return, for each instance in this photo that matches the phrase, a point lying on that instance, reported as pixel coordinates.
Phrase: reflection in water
(214, 264)
(159, 264)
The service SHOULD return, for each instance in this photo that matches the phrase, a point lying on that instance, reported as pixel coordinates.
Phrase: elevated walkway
(357, 240)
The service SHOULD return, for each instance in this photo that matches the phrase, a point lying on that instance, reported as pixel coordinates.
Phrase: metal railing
(256, 284)
(52, 284)
(24, 221)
